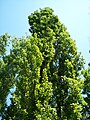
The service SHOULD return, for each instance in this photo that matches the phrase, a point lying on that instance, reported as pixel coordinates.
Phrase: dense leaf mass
(45, 71)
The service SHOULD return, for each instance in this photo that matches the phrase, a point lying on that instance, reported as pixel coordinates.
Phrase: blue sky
(74, 14)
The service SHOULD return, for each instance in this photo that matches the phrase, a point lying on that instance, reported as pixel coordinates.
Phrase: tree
(65, 66)
(46, 70)
(6, 79)
(33, 90)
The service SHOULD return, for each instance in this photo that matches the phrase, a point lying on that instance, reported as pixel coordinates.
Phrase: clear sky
(74, 14)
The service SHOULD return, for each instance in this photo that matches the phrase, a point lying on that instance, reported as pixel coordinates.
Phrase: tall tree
(65, 66)
(33, 90)
(46, 69)
(6, 79)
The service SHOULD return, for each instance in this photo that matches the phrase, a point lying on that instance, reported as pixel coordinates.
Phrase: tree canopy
(45, 70)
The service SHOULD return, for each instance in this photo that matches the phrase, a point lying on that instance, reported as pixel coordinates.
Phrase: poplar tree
(45, 69)
(6, 79)
(30, 101)
(65, 66)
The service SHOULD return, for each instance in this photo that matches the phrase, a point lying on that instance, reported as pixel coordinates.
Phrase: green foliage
(6, 79)
(45, 68)
(3, 43)
(66, 63)
(86, 92)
